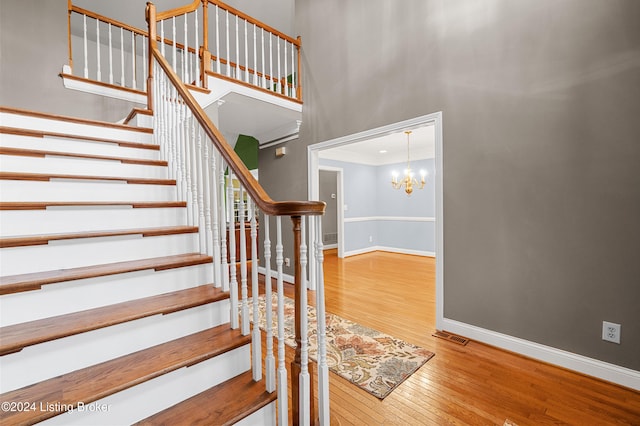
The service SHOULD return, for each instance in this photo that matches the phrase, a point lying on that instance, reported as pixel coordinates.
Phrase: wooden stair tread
(35, 281)
(18, 336)
(41, 154)
(224, 404)
(48, 176)
(42, 205)
(58, 117)
(93, 383)
(43, 133)
(35, 240)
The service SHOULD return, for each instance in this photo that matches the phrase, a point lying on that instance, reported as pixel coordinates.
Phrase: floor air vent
(451, 337)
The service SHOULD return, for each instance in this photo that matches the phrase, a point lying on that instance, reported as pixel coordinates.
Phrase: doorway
(435, 120)
(330, 191)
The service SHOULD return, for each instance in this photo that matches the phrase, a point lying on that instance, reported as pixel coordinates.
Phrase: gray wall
(33, 49)
(540, 103)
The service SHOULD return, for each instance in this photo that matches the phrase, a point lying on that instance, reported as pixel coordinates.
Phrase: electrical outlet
(370, 238)
(611, 332)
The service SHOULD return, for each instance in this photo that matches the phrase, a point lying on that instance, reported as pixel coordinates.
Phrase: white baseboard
(582, 364)
(274, 274)
(390, 249)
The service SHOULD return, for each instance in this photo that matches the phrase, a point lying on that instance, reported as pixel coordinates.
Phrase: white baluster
(255, 57)
(186, 162)
(133, 60)
(175, 152)
(233, 282)
(202, 159)
(174, 46)
(283, 398)
(161, 38)
(86, 57)
(264, 71)
(98, 71)
(243, 263)
(256, 337)
(121, 57)
(185, 53)
(294, 86)
(197, 49)
(237, 70)
(217, 40)
(278, 84)
(304, 380)
(212, 215)
(223, 229)
(228, 50)
(323, 369)
(246, 53)
(190, 160)
(110, 57)
(270, 87)
(270, 362)
(144, 60)
(286, 75)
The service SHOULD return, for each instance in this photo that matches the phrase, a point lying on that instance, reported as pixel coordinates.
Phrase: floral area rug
(374, 361)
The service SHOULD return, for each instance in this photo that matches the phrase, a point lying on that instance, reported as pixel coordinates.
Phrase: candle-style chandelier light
(408, 181)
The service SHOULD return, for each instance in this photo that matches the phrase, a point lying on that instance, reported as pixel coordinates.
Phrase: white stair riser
(146, 399)
(71, 296)
(79, 219)
(51, 359)
(79, 166)
(74, 190)
(92, 251)
(76, 146)
(73, 128)
(265, 416)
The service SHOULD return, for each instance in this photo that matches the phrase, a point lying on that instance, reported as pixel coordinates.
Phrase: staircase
(109, 312)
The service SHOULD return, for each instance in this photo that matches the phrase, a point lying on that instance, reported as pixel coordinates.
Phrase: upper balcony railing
(204, 38)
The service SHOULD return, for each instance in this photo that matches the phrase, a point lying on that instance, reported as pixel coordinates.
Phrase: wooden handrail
(255, 21)
(257, 193)
(108, 20)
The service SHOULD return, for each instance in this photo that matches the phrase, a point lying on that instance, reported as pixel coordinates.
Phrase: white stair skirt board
(589, 366)
(73, 128)
(141, 401)
(93, 251)
(77, 146)
(96, 89)
(80, 166)
(51, 359)
(63, 219)
(75, 190)
(72, 296)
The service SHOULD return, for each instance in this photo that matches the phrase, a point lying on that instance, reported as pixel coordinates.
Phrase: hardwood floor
(473, 384)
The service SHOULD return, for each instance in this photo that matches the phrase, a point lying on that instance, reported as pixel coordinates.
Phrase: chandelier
(408, 181)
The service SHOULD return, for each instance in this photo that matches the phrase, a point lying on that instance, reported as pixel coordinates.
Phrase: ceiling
(422, 146)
